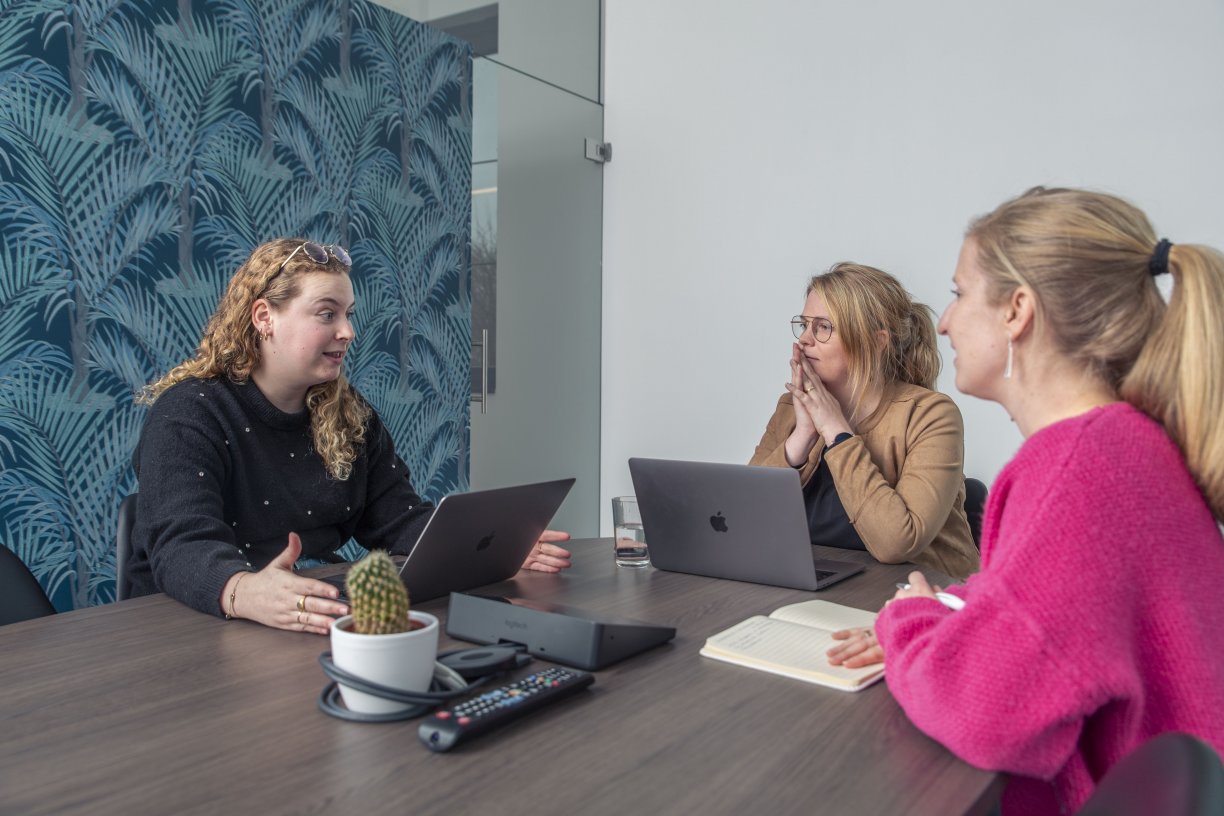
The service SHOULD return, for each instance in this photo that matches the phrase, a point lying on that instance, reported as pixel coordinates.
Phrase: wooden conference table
(146, 706)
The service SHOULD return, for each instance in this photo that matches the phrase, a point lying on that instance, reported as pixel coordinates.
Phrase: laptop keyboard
(821, 575)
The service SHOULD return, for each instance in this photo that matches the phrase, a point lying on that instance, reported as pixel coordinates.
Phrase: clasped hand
(817, 411)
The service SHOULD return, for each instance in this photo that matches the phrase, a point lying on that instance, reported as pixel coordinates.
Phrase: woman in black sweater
(257, 451)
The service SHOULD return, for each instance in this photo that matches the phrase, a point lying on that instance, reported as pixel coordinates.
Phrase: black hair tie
(1158, 264)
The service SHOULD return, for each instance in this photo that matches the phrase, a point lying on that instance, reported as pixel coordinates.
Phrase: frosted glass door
(543, 417)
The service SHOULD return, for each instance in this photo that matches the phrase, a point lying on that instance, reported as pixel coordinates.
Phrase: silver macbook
(477, 538)
(730, 521)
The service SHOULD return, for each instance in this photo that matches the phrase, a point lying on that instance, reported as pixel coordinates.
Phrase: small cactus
(377, 596)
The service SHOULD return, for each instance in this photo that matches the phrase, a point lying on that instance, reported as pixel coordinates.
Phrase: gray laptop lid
(480, 537)
(730, 521)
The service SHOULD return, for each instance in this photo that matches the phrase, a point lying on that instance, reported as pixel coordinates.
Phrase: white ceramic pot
(404, 661)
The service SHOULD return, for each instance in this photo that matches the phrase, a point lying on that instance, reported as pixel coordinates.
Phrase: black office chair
(123, 546)
(975, 502)
(21, 596)
(1173, 774)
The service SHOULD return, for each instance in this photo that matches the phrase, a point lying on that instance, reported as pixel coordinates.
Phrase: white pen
(953, 602)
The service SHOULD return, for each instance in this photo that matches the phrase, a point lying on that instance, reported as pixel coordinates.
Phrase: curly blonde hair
(230, 348)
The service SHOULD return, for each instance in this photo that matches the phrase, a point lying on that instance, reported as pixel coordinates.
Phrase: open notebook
(793, 641)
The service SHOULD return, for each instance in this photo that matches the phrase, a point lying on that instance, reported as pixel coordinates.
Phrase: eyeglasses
(318, 253)
(821, 329)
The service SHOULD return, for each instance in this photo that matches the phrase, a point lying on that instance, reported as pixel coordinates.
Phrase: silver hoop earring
(1007, 370)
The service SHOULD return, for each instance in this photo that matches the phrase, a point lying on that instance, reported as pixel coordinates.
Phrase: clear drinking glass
(630, 539)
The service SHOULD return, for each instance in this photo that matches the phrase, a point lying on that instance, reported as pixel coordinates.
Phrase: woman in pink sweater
(1096, 620)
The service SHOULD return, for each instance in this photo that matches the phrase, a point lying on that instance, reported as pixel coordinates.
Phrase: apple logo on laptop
(485, 542)
(718, 523)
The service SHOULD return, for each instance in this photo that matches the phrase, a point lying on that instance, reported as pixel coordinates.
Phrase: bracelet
(233, 592)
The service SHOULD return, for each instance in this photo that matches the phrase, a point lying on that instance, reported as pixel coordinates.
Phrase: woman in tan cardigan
(880, 454)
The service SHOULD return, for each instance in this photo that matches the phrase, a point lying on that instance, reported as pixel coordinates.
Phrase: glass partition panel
(536, 240)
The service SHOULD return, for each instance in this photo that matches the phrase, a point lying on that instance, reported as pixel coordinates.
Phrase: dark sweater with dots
(225, 476)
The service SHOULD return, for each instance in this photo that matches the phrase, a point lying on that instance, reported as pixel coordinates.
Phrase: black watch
(840, 438)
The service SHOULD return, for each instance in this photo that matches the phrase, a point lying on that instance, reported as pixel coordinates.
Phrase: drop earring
(1007, 370)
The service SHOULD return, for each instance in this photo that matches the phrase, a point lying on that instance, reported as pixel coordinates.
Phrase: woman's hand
(278, 597)
(801, 441)
(812, 400)
(918, 588)
(860, 649)
(546, 556)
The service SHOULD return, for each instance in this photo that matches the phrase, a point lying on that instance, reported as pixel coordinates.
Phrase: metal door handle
(483, 399)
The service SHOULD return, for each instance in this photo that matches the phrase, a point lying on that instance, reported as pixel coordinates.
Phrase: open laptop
(730, 521)
(477, 538)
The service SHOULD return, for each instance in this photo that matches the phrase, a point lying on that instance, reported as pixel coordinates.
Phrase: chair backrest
(975, 502)
(21, 596)
(1173, 774)
(123, 546)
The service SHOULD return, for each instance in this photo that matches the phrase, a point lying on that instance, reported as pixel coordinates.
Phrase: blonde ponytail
(1089, 259)
(1178, 378)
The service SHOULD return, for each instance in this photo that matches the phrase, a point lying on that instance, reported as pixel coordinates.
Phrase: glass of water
(630, 539)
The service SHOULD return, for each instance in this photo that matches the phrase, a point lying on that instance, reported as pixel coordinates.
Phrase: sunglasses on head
(319, 254)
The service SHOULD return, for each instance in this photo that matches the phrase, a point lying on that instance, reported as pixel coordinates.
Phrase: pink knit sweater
(1096, 623)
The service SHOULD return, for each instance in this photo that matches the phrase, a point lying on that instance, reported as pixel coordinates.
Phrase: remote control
(445, 729)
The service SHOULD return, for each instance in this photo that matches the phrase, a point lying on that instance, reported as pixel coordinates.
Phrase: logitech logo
(485, 542)
(718, 522)
(513, 624)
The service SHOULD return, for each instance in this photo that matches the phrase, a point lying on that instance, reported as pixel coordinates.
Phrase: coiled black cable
(448, 684)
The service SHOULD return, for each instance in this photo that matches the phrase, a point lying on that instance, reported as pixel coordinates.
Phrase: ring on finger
(300, 617)
(301, 604)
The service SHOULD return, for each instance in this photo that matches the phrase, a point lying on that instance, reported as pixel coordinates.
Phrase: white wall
(758, 143)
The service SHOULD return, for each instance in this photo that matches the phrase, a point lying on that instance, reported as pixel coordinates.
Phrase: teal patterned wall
(145, 149)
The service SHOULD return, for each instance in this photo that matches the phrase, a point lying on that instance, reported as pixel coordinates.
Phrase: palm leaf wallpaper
(145, 148)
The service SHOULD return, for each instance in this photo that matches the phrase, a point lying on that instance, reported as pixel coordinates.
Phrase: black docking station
(562, 634)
